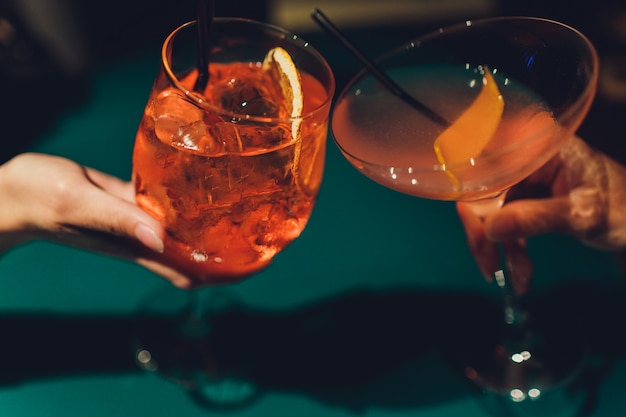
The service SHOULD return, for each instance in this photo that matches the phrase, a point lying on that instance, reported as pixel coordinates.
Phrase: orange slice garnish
(308, 156)
(468, 135)
(280, 66)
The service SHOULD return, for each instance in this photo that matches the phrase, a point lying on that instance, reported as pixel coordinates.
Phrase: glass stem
(514, 315)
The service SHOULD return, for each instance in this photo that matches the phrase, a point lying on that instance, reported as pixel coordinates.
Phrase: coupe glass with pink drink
(511, 91)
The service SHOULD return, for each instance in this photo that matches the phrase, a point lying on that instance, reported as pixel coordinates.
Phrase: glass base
(564, 401)
(527, 371)
(531, 367)
(174, 338)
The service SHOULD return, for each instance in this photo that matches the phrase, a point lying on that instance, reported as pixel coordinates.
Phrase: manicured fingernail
(147, 236)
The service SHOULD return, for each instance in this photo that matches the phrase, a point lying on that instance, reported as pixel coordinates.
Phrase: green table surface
(363, 315)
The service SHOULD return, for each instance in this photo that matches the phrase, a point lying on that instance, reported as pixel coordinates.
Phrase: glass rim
(584, 99)
(198, 99)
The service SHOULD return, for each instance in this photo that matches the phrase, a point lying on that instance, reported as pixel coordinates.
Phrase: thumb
(101, 211)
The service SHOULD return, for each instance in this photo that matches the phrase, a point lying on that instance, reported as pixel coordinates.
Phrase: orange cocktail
(233, 170)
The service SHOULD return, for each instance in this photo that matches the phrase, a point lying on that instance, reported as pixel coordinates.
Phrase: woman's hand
(580, 192)
(52, 198)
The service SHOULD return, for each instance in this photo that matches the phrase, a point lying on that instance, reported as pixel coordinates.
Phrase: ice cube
(189, 135)
(174, 117)
(244, 97)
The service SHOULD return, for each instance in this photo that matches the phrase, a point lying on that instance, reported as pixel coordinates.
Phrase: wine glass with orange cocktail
(502, 97)
(231, 168)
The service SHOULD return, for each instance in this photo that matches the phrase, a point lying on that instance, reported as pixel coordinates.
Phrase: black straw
(380, 75)
(205, 13)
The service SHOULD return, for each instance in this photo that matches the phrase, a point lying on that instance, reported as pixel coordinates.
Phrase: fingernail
(147, 236)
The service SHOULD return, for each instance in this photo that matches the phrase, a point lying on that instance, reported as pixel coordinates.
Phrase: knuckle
(63, 197)
(588, 210)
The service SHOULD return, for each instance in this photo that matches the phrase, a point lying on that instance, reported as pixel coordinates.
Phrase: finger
(114, 185)
(525, 218)
(484, 251)
(147, 231)
(175, 277)
(519, 267)
(100, 211)
(132, 250)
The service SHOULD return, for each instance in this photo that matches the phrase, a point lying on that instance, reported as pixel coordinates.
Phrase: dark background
(37, 89)
(31, 75)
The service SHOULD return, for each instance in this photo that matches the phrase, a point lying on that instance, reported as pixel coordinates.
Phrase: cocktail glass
(546, 74)
(231, 169)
